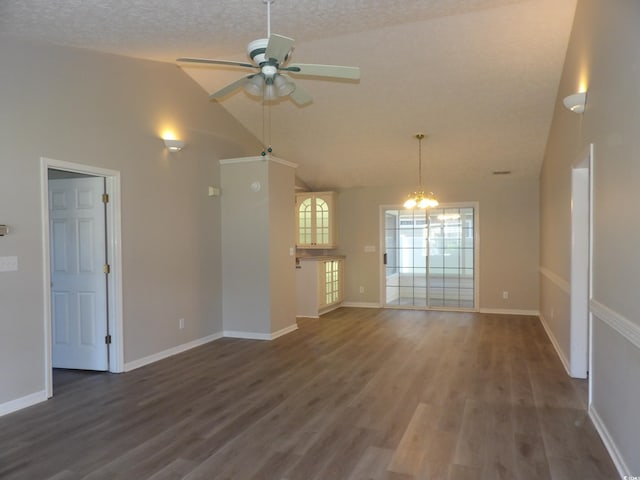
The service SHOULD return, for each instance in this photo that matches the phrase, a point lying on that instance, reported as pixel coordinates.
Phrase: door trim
(114, 281)
(581, 263)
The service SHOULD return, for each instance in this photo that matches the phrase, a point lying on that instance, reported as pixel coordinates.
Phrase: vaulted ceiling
(478, 77)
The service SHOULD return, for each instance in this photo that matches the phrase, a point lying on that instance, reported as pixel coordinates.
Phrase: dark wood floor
(359, 394)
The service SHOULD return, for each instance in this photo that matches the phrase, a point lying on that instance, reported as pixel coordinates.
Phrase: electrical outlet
(361, 289)
(505, 295)
(8, 264)
(181, 323)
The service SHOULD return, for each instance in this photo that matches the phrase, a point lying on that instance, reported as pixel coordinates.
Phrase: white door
(78, 280)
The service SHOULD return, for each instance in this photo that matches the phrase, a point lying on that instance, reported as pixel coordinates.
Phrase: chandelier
(419, 198)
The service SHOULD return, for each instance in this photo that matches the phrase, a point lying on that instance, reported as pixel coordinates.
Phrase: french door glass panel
(430, 257)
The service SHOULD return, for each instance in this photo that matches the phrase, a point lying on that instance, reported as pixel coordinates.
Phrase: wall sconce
(173, 145)
(576, 102)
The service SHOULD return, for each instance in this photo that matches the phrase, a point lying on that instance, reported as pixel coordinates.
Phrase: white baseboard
(556, 345)
(610, 445)
(260, 336)
(361, 305)
(284, 331)
(141, 362)
(23, 402)
(246, 335)
(506, 311)
(500, 311)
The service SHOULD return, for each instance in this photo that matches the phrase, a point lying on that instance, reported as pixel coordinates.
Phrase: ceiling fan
(270, 58)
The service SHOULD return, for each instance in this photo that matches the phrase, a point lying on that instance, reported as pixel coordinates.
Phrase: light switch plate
(8, 264)
(369, 248)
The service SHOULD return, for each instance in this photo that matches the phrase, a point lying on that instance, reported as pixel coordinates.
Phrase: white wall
(603, 54)
(107, 111)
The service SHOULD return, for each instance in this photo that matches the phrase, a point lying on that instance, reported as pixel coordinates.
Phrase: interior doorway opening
(581, 241)
(82, 268)
(79, 261)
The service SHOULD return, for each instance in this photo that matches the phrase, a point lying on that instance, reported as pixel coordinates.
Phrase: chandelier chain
(420, 136)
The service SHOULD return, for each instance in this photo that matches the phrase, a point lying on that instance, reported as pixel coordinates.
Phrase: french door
(430, 257)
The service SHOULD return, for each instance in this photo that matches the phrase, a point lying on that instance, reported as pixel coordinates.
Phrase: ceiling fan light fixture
(254, 86)
(269, 56)
(283, 86)
(270, 92)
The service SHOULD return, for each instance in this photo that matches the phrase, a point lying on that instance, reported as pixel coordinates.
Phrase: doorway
(430, 257)
(82, 268)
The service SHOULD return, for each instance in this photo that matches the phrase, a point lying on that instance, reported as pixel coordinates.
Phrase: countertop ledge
(319, 257)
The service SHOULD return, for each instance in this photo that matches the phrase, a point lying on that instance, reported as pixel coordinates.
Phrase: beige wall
(508, 207)
(282, 263)
(245, 243)
(107, 111)
(603, 51)
(257, 233)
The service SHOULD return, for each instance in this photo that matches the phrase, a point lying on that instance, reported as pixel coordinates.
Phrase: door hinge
(106, 268)
(107, 339)
(105, 198)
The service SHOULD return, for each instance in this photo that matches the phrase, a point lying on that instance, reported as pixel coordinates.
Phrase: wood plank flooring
(358, 394)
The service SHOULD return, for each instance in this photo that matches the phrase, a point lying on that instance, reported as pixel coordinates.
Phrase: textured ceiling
(479, 77)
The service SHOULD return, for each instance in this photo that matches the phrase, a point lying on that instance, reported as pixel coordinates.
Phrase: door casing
(581, 263)
(114, 243)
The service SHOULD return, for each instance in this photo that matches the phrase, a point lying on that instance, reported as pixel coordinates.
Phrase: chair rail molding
(621, 324)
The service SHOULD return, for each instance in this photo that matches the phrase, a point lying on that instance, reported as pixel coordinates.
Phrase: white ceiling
(478, 77)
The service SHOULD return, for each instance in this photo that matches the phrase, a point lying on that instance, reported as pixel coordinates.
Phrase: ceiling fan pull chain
(269, 128)
(264, 141)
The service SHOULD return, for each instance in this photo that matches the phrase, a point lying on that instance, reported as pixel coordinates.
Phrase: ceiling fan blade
(230, 88)
(215, 62)
(332, 71)
(300, 96)
(278, 47)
